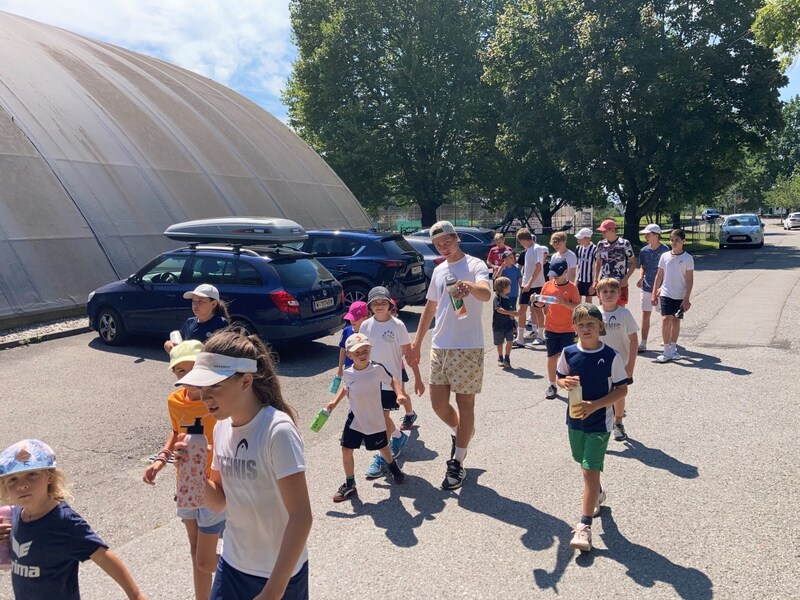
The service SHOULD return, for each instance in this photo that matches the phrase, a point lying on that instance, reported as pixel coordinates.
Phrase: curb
(44, 338)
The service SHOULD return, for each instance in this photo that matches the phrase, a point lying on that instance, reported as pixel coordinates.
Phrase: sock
(394, 468)
(454, 430)
(520, 336)
(350, 481)
(553, 383)
(411, 414)
(397, 434)
(644, 341)
(461, 454)
(586, 520)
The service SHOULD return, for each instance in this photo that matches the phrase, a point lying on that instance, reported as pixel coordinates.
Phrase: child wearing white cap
(649, 257)
(49, 539)
(257, 473)
(210, 315)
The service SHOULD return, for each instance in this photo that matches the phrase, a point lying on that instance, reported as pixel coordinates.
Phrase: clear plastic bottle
(175, 337)
(576, 402)
(337, 381)
(545, 299)
(192, 473)
(320, 420)
(5, 547)
(458, 303)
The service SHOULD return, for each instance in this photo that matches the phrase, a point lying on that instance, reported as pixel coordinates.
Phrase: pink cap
(607, 225)
(358, 310)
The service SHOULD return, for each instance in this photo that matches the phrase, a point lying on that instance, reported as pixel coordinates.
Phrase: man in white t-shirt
(532, 282)
(461, 282)
(559, 243)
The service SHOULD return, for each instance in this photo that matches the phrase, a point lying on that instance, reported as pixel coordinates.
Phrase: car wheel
(761, 244)
(722, 246)
(110, 327)
(354, 292)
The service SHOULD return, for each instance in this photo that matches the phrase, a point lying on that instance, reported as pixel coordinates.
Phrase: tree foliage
(389, 92)
(652, 99)
(777, 25)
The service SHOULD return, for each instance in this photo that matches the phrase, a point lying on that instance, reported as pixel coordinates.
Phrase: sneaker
(506, 363)
(674, 355)
(642, 347)
(600, 501)
(531, 336)
(551, 393)
(529, 326)
(408, 422)
(538, 341)
(664, 357)
(582, 538)
(455, 475)
(377, 468)
(619, 432)
(397, 444)
(344, 492)
(500, 361)
(517, 344)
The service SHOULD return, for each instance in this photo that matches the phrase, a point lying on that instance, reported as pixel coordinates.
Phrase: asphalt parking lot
(702, 498)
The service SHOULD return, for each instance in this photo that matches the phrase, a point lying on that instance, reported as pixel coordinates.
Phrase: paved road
(702, 499)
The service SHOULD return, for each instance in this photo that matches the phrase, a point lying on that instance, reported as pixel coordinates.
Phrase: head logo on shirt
(602, 361)
(242, 444)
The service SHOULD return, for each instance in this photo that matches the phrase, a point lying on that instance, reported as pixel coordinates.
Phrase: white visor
(210, 369)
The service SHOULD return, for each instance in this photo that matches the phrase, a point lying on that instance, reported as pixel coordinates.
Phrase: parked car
(792, 221)
(474, 240)
(429, 254)
(710, 214)
(360, 260)
(279, 293)
(738, 230)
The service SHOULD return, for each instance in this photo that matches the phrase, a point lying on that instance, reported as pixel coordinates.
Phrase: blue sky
(244, 44)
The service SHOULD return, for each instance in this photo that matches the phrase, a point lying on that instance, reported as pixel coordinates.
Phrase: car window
(469, 238)
(206, 269)
(333, 246)
(396, 246)
(248, 274)
(304, 273)
(167, 270)
(794, 216)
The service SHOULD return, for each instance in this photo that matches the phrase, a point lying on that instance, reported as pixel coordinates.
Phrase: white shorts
(208, 521)
(647, 306)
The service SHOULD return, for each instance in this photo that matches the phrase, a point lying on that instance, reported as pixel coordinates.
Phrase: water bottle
(457, 303)
(5, 547)
(192, 473)
(545, 299)
(320, 420)
(576, 402)
(175, 337)
(679, 313)
(337, 380)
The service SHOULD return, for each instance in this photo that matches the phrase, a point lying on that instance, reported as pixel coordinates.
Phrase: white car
(792, 221)
(741, 230)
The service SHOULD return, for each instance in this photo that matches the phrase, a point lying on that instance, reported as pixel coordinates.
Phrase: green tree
(777, 25)
(389, 92)
(785, 193)
(662, 98)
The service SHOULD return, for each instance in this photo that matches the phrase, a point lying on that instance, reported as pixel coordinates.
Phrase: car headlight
(91, 295)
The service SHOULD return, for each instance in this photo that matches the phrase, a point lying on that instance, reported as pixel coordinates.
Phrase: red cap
(607, 224)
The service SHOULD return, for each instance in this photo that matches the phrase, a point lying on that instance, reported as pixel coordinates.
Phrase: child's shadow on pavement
(415, 449)
(645, 566)
(658, 459)
(692, 359)
(541, 530)
(390, 514)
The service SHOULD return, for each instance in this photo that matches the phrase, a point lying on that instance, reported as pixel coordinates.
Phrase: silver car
(741, 230)
(792, 221)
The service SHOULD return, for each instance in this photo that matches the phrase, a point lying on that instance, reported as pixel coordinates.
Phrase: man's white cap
(441, 228)
(210, 369)
(584, 233)
(204, 290)
(652, 228)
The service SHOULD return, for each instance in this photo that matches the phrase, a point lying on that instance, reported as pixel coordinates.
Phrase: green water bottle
(320, 420)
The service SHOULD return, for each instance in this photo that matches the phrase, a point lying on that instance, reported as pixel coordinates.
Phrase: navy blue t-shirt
(501, 322)
(192, 330)
(346, 333)
(600, 370)
(46, 553)
(648, 259)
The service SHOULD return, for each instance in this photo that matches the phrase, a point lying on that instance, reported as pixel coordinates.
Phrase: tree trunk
(676, 220)
(547, 220)
(632, 216)
(428, 209)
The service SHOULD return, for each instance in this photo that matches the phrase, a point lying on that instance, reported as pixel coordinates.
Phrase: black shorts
(630, 380)
(669, 306)
(583, 289)
(389, 400)
(525, 298)
(502, 336)
(353, 439)
(404, 375)
(537, 290)
(556, 342)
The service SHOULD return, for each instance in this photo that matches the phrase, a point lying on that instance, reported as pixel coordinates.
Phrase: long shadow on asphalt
(778, 257)
(658, 459)
(693, 359)
(645, 566)
(140, 348)
(541, 530)
(415, 450)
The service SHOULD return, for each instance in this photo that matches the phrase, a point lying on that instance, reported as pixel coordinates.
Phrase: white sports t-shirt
(387, 339)
(569, 256)
(364, 392)
(449, 332)
(251, 459)
(675, 267)
(619, 325)
(533, 255)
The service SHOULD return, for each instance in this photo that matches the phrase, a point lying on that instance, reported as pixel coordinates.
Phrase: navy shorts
(404, 375)
(230, 584)
(556, 342)
(389, 400)
(502, 336)
(669, 306)
(353, 439)
(583, 288)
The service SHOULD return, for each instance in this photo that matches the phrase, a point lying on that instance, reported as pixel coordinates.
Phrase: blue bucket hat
(27, 455)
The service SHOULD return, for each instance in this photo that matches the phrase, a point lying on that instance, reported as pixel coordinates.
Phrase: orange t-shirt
(183, 411)
(558, 318)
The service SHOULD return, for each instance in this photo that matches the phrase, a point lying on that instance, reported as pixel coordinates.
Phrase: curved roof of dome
(101, 149)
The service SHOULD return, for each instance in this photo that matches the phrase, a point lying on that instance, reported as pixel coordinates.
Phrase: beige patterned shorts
(462, 370)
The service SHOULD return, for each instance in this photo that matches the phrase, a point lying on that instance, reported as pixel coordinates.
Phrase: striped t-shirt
(586, 256)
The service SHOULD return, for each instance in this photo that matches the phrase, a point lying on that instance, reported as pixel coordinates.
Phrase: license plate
(324, 303)
(416, 270)
(738, 238)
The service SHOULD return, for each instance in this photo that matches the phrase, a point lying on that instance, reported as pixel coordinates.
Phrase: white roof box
(254, 231)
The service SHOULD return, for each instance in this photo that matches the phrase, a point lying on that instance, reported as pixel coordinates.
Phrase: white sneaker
(664, 357)
(600, 501)
(673, 354)
(582, 538)
(642, 346)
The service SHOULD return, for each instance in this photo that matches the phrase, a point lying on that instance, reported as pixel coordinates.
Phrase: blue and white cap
(27, 455)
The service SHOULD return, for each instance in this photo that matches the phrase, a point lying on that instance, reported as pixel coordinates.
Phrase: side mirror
(132, 279)
(762, 225)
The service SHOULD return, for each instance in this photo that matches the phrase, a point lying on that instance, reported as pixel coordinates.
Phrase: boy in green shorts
(600, 371)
